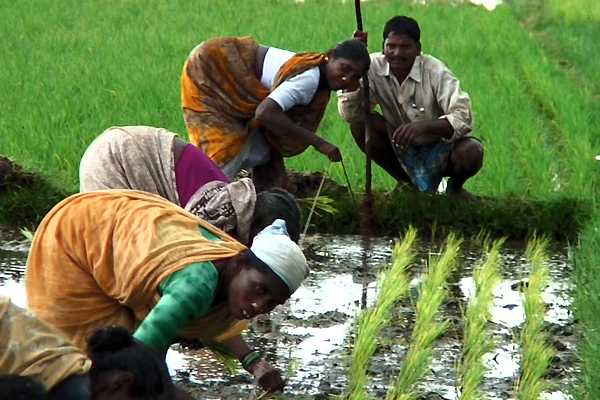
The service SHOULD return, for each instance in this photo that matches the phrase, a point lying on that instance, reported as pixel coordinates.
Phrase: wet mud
(12, 175)
(309, 339)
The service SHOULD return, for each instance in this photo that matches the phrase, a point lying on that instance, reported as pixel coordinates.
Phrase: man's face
(400, 51)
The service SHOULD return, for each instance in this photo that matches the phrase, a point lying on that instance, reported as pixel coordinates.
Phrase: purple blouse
(193, 170)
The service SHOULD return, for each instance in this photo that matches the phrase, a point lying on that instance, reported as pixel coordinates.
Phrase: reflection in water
(15, 291)
(310, 300)
(312, 332)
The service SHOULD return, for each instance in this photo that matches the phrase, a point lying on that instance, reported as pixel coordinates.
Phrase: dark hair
(353, 50)
(17, 387)
(401, 25)
(115, 349)
(276, 203)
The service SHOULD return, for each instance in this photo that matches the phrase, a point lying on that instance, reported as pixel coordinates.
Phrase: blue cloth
(426, 165)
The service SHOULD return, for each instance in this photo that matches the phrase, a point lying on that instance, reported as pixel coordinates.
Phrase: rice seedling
(27, 234)
(394, 284)
(323, 203)
(224, 355)
(477, 340)
(568, 33)
(587, 302)
(427, 326)
(536, 352)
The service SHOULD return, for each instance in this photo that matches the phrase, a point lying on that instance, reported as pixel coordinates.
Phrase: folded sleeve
(350, 104)
(298, 90)
(455, 103)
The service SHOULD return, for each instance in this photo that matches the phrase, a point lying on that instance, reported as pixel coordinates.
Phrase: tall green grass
(477, 340)
(536, 351)
(568, 33)
(394, 284)
(587, 309)
(428, 326)
(78, 67)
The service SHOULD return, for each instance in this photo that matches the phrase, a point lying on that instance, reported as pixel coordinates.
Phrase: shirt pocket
(417, 112)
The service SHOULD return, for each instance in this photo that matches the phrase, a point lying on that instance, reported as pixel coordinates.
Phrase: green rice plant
(81, 84)
(536, 352)
(322, 203)
(27, 234)
(573, 11)
(427, 326)
(223, 354)
(587, 309)
(394, 284)
(536, 126)
(477, 340)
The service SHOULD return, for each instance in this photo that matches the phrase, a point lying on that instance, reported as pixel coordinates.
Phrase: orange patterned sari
(220, 93)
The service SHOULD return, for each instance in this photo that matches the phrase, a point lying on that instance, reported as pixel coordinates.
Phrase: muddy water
(309, 337)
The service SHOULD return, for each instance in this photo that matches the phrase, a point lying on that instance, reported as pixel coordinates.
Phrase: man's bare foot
(461, 193)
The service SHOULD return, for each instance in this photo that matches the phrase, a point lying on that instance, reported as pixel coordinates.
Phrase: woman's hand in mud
(267, 376)
(331, 151)
(361, 36)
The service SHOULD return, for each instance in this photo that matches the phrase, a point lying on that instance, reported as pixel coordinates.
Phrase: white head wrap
(274, 247)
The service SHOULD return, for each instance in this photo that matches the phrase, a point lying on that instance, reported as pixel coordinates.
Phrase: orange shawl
(97, 259)
(220, 93)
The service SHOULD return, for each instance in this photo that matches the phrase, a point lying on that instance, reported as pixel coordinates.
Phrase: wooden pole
(366, 215)
(367, 212)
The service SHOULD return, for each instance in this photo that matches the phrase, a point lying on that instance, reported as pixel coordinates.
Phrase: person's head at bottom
(266, 275)
(17, 387)
(123, 368)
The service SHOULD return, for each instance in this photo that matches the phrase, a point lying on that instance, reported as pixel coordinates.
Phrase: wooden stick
(368, 202)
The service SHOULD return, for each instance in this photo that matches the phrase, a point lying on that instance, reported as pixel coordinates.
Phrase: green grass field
(77, 68)
(70, 69)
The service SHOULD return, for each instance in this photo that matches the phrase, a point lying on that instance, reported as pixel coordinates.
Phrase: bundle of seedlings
(393, 286)
(477, 340)
(536, 352)
(428, 326)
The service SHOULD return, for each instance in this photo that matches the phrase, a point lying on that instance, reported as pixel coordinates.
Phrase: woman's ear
(330, 54)
(239, 262)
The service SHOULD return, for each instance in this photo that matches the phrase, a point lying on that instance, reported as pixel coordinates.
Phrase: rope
(349, 186)
(312, 209)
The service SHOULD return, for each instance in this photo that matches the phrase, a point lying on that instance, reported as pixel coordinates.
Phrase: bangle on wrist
(250, 358)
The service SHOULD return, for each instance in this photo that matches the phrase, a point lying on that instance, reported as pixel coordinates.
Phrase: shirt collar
(415, 72)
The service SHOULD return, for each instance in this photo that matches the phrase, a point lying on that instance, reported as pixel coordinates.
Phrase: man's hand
(406, 133)
(331, 151)
(266, 375)
(361, 36)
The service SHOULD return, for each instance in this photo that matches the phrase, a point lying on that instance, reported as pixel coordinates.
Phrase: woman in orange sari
(133, 259)
(248, 106)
